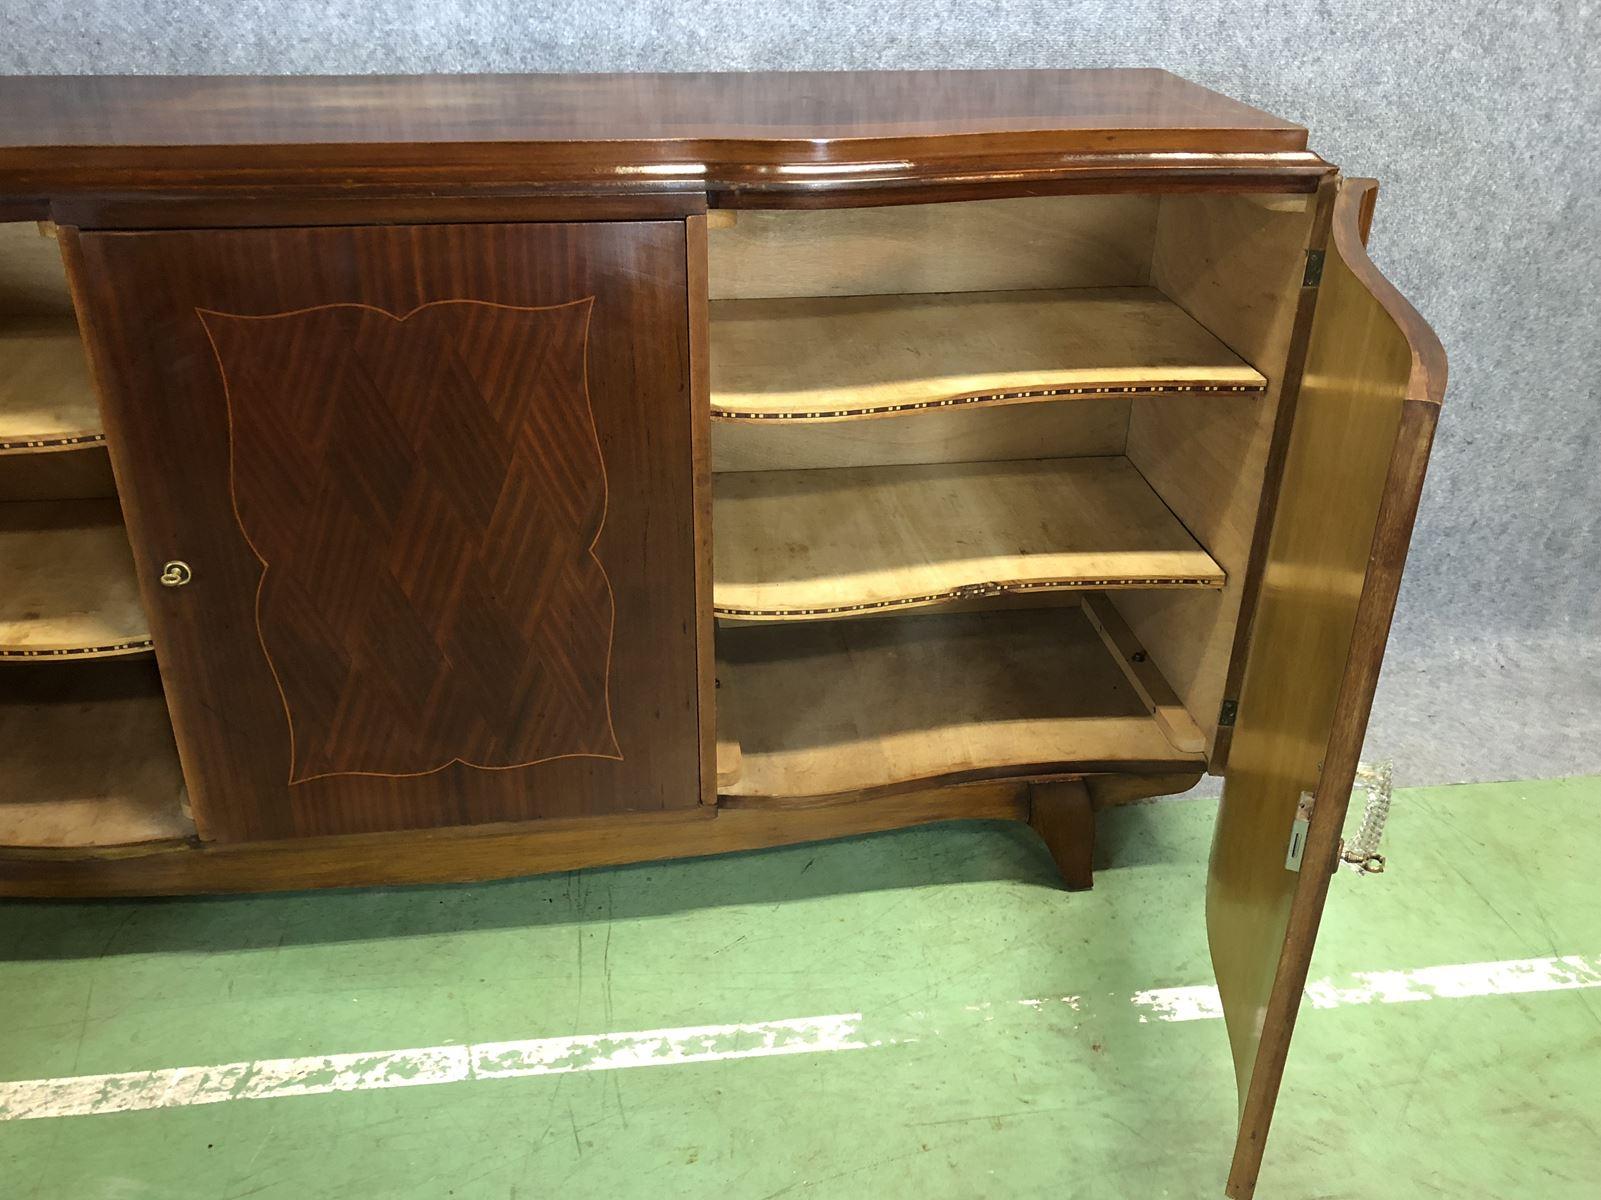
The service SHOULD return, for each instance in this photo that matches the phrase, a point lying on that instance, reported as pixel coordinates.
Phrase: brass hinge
(1298, 832)
(1226, 714)
(1314, 269)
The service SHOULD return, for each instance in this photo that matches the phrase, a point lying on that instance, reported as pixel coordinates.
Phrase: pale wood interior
(838, 357)
(825, 543)
(829, 330)
(46, 399)
(33, 279)
(1364, 421)
(1235, 263)
(52, 446)
(1028, 242)
(1148, 683)
(80, 474)
(1151, 498)
(935, 435)
(836, 707)
(68, 587)
(89, 757)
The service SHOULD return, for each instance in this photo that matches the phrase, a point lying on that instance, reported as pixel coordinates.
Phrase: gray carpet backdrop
(1482, 120)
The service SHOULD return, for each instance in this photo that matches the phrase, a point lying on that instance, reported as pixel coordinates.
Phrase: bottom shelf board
(836, 707)
(89, 759)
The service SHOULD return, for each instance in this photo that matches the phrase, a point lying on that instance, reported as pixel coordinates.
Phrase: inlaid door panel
(431, 490)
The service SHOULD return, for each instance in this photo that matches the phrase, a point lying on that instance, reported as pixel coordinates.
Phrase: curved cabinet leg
(1061, 813)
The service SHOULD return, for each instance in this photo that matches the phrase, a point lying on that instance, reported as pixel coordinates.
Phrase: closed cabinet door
(413, 514)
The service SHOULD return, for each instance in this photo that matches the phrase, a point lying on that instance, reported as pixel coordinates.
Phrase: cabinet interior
(986, 478)
(986, 481)
(90, 759)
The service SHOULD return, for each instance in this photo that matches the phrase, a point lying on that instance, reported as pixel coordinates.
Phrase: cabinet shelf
(828, 543)
(824, 358)
(70, 590)
(46, 400)
(835, 708)
(89, 759)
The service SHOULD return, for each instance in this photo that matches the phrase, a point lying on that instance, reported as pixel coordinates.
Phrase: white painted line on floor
(265, 1079)
(1199, 1003)
(1512, 977)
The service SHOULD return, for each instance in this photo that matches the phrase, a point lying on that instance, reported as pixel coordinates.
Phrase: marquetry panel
(433, 597)
(433, 485)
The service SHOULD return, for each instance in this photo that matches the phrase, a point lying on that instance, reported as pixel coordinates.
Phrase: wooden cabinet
(526, 474)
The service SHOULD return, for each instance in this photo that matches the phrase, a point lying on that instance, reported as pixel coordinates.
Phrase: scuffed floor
(918, 1014)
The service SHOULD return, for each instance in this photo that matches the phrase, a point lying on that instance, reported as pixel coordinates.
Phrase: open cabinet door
(1359, 443)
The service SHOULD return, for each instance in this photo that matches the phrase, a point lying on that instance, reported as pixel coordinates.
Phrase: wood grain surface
(1363, 425)
(46, 401)
(971, 433)
(67, 582)
(794, 131)
(413, 459)
(824, 708)
(33, 279)
(490, 851)
(1235, 264)
(799, 544)
(1024, 243)
(89, 759)
(433, 597)
(832, 358)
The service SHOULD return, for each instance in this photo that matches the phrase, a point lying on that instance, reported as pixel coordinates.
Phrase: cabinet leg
(1062, 815)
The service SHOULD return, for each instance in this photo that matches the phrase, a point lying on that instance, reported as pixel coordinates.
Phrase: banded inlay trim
(134, 646)
(1098, 391)
(66, 442)
(971, 591)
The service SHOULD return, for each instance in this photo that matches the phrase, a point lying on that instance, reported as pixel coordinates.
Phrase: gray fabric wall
(1481, 119)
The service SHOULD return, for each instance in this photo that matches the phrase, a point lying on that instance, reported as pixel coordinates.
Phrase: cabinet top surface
(83, 132)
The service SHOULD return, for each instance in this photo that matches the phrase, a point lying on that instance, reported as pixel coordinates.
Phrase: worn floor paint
(918, 944)
(427, 1066)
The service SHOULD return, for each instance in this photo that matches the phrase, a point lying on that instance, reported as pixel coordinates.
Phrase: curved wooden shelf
(70, 590)
(89, 758)
(833, 358)
(46, 399)
(796, 545)
(845, 707)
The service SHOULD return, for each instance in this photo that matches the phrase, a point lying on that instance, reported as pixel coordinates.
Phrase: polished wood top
(781, 129)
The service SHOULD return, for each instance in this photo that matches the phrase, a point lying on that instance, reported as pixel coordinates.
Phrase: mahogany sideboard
(423, 479)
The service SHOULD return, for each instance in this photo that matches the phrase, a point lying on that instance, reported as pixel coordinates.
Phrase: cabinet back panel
(32, 277)
(979, 245)
(1060, 429)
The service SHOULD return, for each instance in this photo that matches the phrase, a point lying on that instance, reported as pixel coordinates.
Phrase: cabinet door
(1358, 446)
(431, 492)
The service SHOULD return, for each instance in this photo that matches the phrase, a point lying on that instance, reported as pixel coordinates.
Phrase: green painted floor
(934, 936)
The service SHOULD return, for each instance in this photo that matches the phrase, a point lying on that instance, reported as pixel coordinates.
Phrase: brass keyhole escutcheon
(175, 573)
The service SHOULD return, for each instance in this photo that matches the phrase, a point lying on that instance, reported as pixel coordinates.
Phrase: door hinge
(1226, 714)
(1314, 269)
(1298, 832)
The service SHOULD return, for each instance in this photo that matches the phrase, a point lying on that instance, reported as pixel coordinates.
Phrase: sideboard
(430, 479)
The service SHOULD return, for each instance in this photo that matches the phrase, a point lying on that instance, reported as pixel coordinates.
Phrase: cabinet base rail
(1061, 811)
